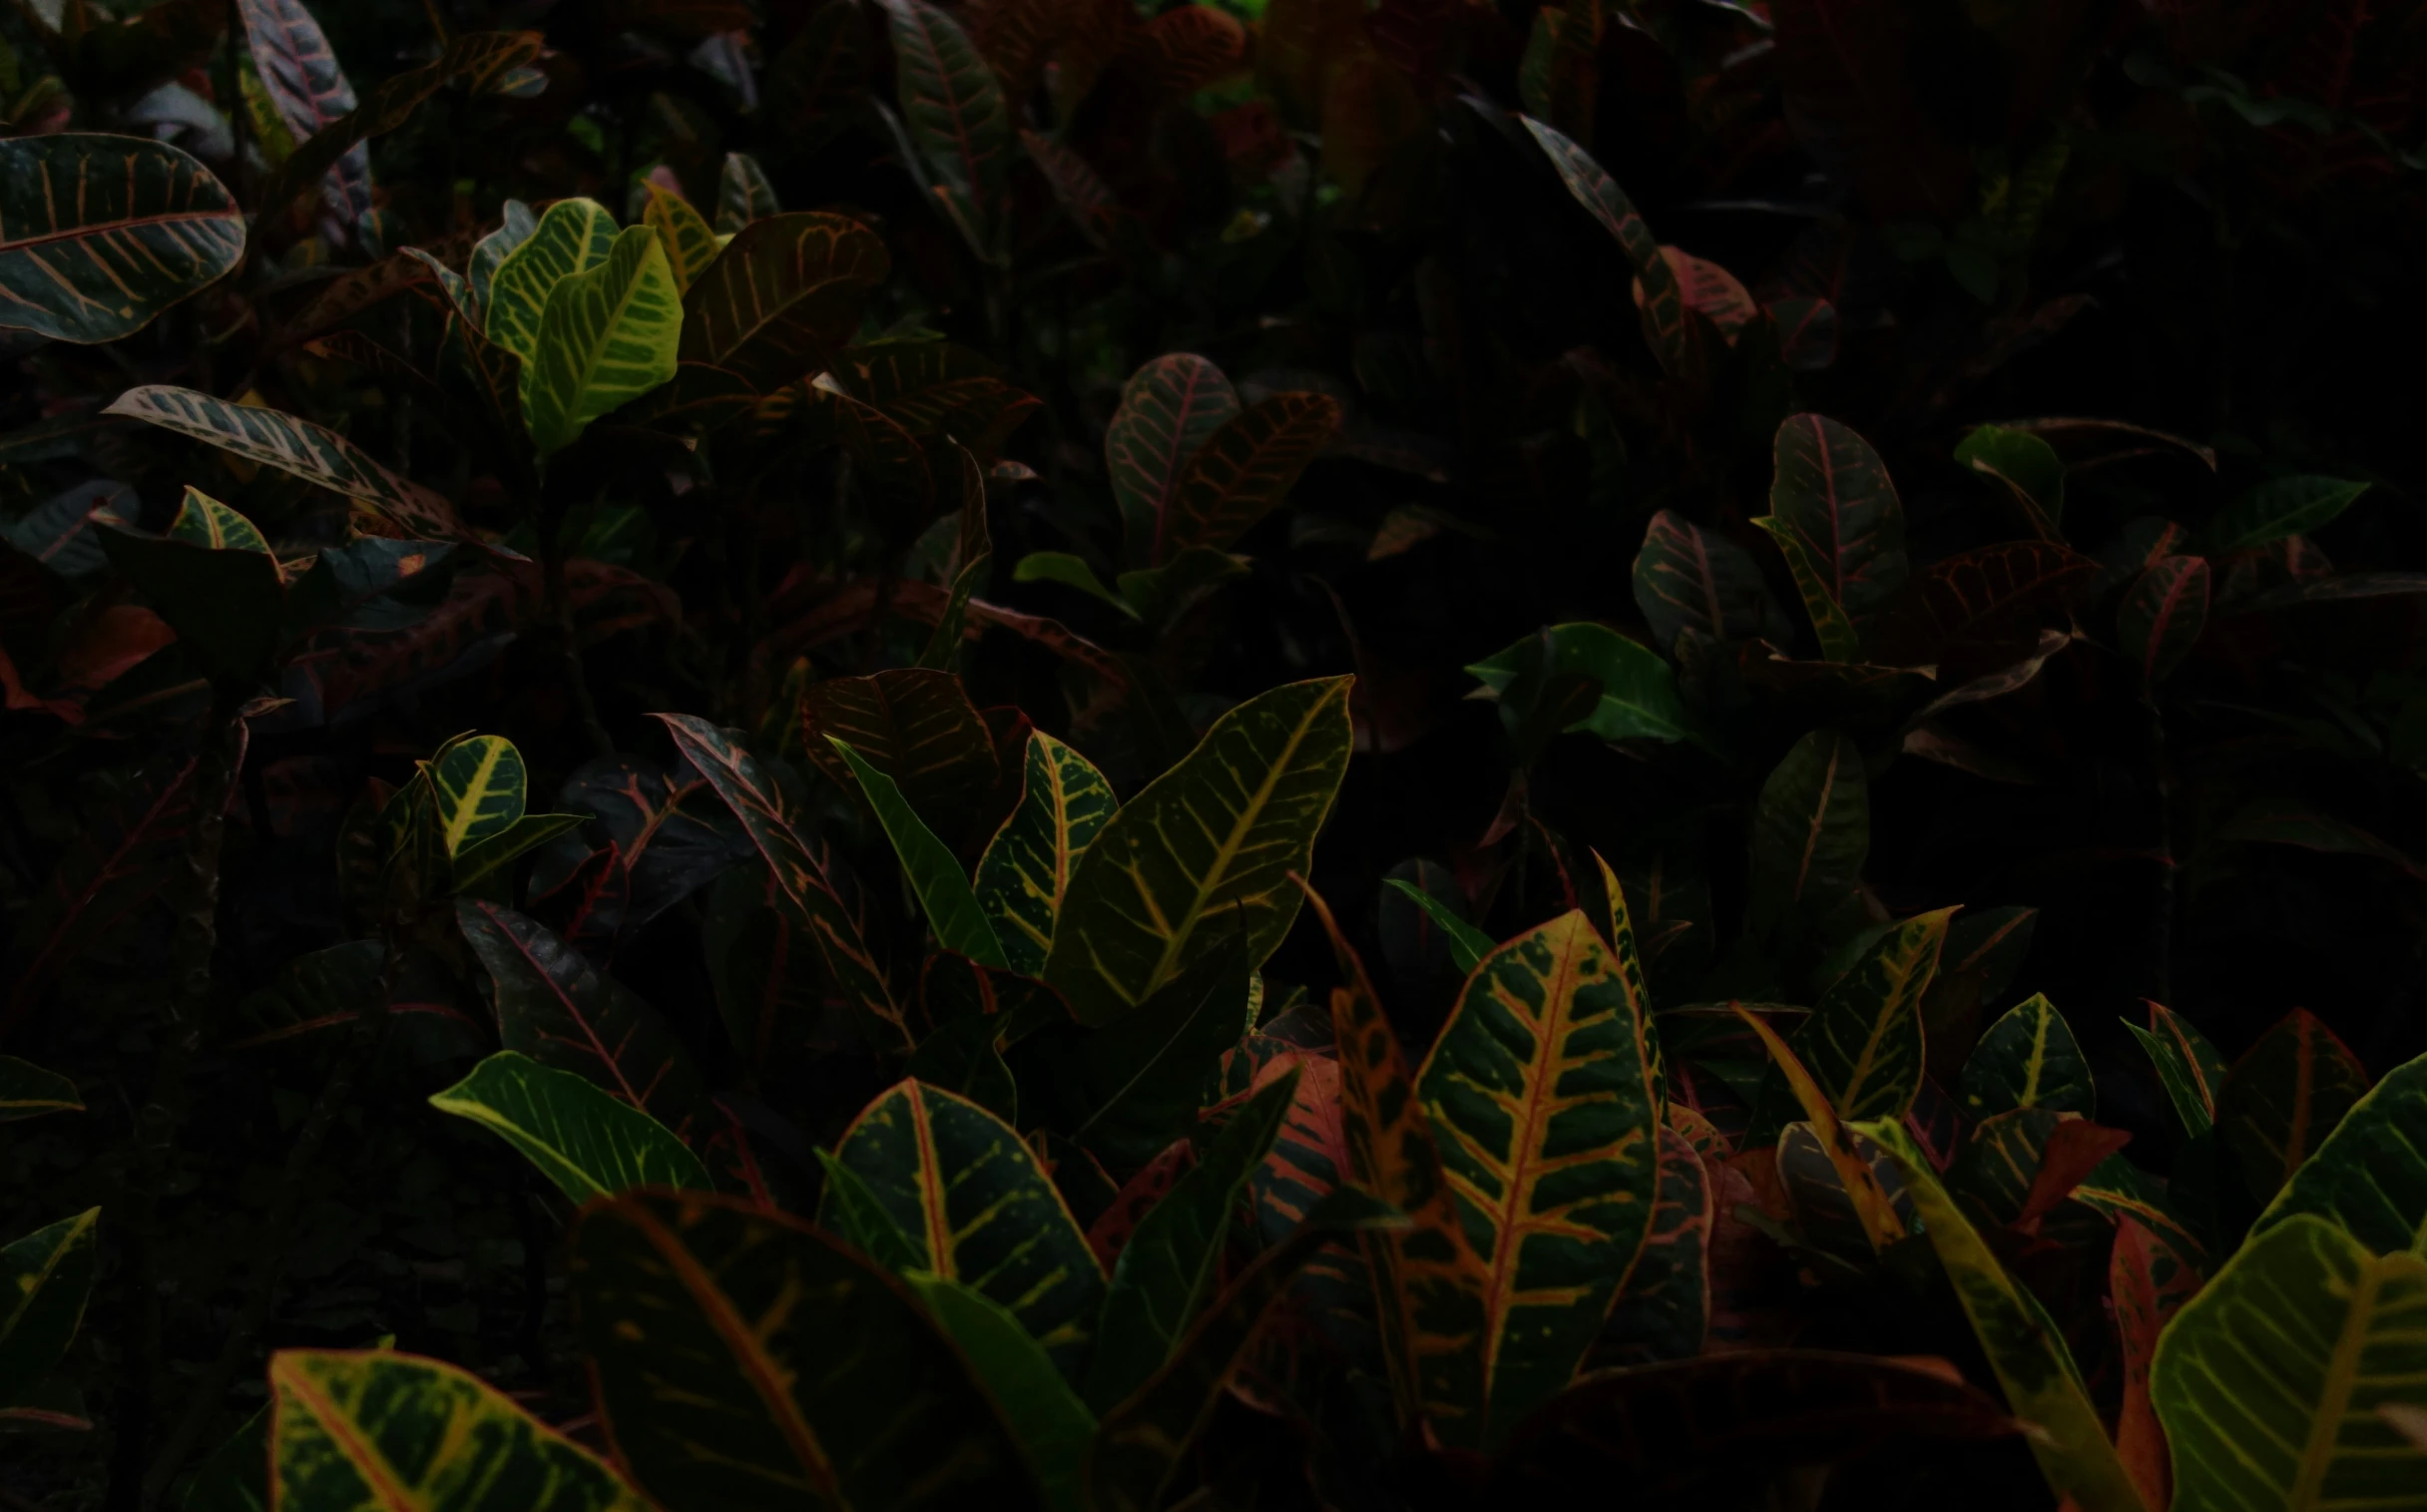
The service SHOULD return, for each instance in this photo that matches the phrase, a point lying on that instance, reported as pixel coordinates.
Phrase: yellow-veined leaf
(1204, 853)
(2029, 1059)
(685, 234)
(608, 335)
(573, 237)
(1026, 872)
(45, 1279)
(207, 523)
(476, 787)
(1873, 1208)
(1865, 1044)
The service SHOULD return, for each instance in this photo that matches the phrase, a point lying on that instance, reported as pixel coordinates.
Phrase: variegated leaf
(1242, 471)
(1025, 875)
(99, 233)
(608, 336)
(685, 234)
(783, 297)
(573, 237)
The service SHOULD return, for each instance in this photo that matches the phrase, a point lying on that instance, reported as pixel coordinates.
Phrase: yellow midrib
(2342, 1376)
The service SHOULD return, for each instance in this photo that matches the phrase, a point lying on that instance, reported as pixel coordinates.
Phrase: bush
(1030, 755)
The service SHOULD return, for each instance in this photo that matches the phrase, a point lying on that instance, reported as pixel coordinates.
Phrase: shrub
(1049, 753)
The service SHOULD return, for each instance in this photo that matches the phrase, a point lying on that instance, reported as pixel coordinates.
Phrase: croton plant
(1104, 755)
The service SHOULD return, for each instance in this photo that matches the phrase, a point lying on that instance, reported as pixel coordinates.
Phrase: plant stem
(137, 1219)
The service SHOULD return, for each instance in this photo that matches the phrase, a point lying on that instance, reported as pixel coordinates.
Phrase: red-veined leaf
(2284, 1097)
(2161, 617)
(1169, 409)
(1242, 471)
(1831, 494)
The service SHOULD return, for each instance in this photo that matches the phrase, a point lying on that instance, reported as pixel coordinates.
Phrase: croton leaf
(28, 1091)
(589, 1143)
(2029, 1059)
(934, 875)
(1811, 831)
(916, 726)
(741, 1358)
(2268, 1383)
(1663, 1311)
(99, 234)
(1025, 875)
(2189, 1067)
(1635, 694)
(2025, 1349)
(1830, 493)
(2284, 1097)
(1666, 327)
(2277, 509)
(1204, 852)
(308, 88)
(226, 604)
(373, 1430)
(691, 244)
(744, 195)
(607, 337)
(1874, 1208)
(2370, 1175)
(2025, 468)
(1052, 1425)
(1864, 1041)
(574, 236)
(45, 1279)
(1467, 945)
(783, 297)
(1169, 409)
(1242, 471)
(2161, 616)
(1687, 577)
(954, 109)
(515, 226)
(970, 1196)
(2148, 1281)
(803, 893)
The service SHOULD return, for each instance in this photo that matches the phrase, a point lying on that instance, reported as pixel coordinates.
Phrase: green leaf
(2029, 1059)
(2189, 1067)
(1025, 875)
(1812, 834)
(1540, 1094)
(1638, 690)
(235, 1477)
(2161, 616)
(1166, 1274)
(2270, 1382)
(226, 606)
(574, 236)
(944, 895)
(45, 1279)
(1467, 944)
(1071, 571)
(1053, 1427)
(99, 234)
(588, 1141)
(744, 195)
(743, 1359)
(28, 1091)
(312, 452)
(1831, 495)
(2026, 468)
(917, 727)
(690, 245)
(1204, 852)
(1169, 409)
(1688, 578)
(515, 226)
(608, 335)
(1242, 471)
(1140, 1446)
(1663, 1311)
(849, 1209)
(2025, 1349)
(2278, 508)
(783, 297)
(966, 1191)
(204, 521)
(2370, 1175)
(1863, 1042)
(2284, 1097)
(376, 1432)
(477, 786)
(1161, 595)
(803, 894)
(488, 857)
(1839, 641)
(954, 111)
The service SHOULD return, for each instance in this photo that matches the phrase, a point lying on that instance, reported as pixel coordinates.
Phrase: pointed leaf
(207, 523)
(685, 234)
(2025, 468)
(1831, 494)
(560, 1010)
(848, 1208)
(915, 724)
(312, 452)
(28, 1091)
(944, 893)
(1169, 409)
(1863, 1042)
(1687, 577)
(2270, 1380)
(1024, 878)
(1874, 1208)
(515, 226)
(1071, 571)
(574, 236)
(587, 1142)
(608, 335)
(2025, 1349)
(962, 1187)
(1666, 327)
(2029, 1059)
(2370, 1176)
(1242, 471)
(376, 1432)
(2189, 1067)
(783, 297)
(1052, 1425)
(1467, 945)
(2284, 1097)
(2277, 509)
(1811, 831)
(2148, 1281)
(1663, 1311)
(308, 88)
(2161, 616)
(45, 1279)
(99, 234)
(953, 107)
(1166, 1274)
(1540, 1094)
(744, 195)
(1839, 641)
(743, 1359)
(1638, 695)
(477, 788)
(803, 893)
(224, 605)
(1204, 852)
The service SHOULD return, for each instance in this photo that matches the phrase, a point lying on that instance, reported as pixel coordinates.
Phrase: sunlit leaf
(589, 1143)
(378, 1431)
(1025, 875)
(685, 234)
(574, 236)
(98, 234)
(608, 335)
(741, 1358)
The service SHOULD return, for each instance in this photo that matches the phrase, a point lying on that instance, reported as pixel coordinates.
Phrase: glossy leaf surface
(1636, 690)
(2284, 1097)
(2369, 1177)
(574, 236)
(99, 233)
(2189, 1067)
(586, 1140)
(1024, 878)
(1831, 493)
(2029, 1059)
(607, 337)
(783, 297)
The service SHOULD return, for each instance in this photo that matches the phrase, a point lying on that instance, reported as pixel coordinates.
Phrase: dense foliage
(1088, 754)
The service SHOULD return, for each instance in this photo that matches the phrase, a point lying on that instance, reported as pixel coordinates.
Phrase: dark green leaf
(590, 1144)
(2278, 508)
(45, 1279)
(783, 297)
(2029, 1059)
(2284, 1097)
(28, 1091)
(1687, 577)
(944, 893)
(102, 234)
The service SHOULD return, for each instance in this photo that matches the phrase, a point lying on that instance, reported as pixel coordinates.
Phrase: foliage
(1088, 756)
